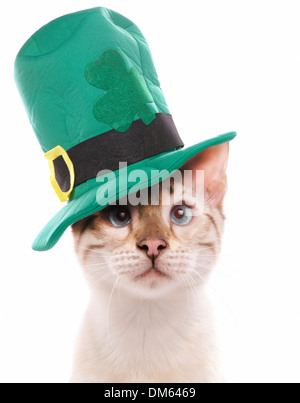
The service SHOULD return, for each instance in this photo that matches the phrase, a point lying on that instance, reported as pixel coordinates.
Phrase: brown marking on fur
(172, 186)
(221, 211)
(213, 221)
(88, 223)
(84, 224)
(94, 247)
(151, 225)
(208, 244)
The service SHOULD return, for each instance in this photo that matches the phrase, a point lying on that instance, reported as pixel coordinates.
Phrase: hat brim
(85, 199)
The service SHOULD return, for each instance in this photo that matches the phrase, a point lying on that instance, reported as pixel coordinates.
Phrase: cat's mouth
(152, 274)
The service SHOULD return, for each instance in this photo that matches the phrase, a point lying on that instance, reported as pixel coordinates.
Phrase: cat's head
(154, 249)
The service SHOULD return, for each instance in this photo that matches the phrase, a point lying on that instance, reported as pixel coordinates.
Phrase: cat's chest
(146, 344)
(149, 340)
(158, 355)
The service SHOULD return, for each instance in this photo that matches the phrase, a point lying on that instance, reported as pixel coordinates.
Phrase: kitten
(149, 319)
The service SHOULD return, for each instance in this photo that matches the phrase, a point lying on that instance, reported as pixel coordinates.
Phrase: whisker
(191, 283)
(224, 274)
(204, 258)
(218, 294)
(121, 278)
(108, 307)
(216, 271)
(90, 271)
(208, 248)
(226, 266)
(91, 247)
(209, 256)
(194, 282)
(186, 286)
(96, 264)
(219, 262)
(101, 279)
(106, 254)
(93, 250)
(215, 247)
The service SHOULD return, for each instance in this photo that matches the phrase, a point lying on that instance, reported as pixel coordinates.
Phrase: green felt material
(127, 93)
(50, 74)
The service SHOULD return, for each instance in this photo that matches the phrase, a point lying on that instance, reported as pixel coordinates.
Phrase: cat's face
(153, 249)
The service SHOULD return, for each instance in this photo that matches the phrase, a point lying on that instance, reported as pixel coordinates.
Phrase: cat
(149, 319)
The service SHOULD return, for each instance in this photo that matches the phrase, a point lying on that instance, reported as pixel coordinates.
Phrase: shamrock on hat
(127, 93)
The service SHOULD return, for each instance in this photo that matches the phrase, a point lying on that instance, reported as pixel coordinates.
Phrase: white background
(224, 65)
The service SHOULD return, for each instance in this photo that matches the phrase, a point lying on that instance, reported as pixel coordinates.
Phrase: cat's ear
(213, 161)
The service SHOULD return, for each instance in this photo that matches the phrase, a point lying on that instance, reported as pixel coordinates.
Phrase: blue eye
(119, 217)
(182, 215)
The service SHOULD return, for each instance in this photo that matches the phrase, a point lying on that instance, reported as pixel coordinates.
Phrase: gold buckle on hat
(53, 155)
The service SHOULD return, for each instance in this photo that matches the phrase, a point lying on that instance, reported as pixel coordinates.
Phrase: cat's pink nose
(152, 246)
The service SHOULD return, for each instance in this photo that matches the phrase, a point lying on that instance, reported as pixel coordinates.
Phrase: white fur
(129, 339)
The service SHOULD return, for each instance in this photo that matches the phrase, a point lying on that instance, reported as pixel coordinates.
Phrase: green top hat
(94, 100)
